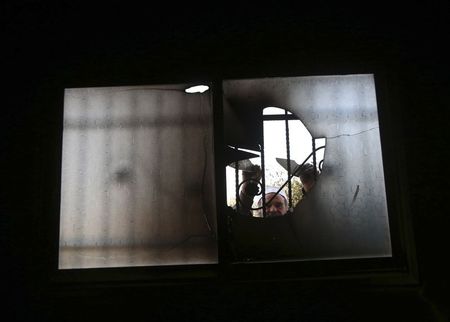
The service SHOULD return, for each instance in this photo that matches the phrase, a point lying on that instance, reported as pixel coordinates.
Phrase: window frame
(400, 269)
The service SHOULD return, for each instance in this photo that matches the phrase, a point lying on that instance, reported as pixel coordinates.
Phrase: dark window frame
(400, 269)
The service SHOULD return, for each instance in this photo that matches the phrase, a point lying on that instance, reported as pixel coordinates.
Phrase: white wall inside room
(137, 177)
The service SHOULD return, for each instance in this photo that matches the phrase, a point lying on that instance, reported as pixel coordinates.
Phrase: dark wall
(49, 47)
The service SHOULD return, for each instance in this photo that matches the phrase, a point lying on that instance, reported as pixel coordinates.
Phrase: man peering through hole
(276, 204)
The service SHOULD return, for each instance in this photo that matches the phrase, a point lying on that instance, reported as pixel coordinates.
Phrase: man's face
(277, 207)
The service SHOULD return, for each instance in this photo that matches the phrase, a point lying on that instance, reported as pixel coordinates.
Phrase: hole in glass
(290, 156)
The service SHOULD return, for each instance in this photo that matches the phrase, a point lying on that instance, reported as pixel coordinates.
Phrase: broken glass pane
(345, 215)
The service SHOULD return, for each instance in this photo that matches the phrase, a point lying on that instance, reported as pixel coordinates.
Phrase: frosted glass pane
(345, 215)
(137, 178)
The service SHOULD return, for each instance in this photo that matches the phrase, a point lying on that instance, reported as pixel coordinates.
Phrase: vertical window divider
(314, 157)
(236, 175)
(288, 156)
(263, 177)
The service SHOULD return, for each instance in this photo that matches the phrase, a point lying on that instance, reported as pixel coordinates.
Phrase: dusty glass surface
(137, 178)
(345, 215)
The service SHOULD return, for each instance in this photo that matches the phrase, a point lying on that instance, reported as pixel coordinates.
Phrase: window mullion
(288, 156)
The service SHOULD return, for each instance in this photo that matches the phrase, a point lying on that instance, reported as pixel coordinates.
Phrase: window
(137, 178)
(151, 176)
(346, 214)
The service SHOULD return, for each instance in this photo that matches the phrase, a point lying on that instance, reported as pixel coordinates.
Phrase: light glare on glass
(197, 89)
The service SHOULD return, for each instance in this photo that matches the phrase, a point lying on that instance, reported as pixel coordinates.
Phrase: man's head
(276, 203)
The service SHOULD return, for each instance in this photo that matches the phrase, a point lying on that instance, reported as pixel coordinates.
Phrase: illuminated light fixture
(197, 89)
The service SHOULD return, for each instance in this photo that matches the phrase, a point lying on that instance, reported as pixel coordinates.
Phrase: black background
(49, 46)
